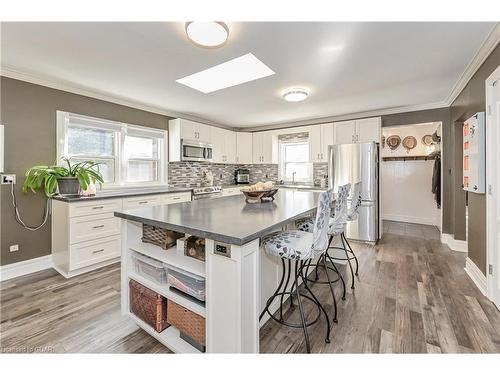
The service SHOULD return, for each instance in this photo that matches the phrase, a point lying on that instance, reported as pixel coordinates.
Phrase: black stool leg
(338, 272)
(301, 309)
(332, 291)
(328, 328)
(348, 260)
(271, 299)
(286, 285)
(352, 251)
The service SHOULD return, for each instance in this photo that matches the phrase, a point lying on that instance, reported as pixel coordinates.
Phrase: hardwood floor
(412, 296)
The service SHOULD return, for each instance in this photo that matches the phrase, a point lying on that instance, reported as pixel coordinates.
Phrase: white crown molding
(453, 244)
(481, 55)
(26, 267)
(73, 88)
(476, 276)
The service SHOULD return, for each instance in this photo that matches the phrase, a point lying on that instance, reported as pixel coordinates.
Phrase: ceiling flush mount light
(296, 94)
(234, 72)
(207, 34)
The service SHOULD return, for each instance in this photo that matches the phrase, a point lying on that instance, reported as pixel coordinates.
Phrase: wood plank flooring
(412, 296)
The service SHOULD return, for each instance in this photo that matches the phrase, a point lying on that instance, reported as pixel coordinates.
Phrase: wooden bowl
(257, 196)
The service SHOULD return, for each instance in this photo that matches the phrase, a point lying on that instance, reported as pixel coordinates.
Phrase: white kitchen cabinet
(223, 146)
(179, 129)
(368, 130)
(226, 192)
(320, 137)
(358, 131)
(244, 154)
(86, 235)
(264, 148)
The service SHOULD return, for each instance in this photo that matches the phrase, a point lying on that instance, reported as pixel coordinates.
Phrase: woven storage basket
(148, 305)
(164, 238)
(186, 321)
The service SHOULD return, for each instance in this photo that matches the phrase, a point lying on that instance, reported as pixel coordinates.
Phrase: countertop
(228, 219)
(121, 194)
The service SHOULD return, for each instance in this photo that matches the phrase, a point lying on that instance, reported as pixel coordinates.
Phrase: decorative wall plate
(427, 140)
(409, 142)
(393, 141)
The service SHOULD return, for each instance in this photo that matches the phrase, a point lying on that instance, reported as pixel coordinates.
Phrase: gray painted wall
(472, 99)
(28, 112)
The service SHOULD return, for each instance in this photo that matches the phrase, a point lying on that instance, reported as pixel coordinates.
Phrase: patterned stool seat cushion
(334, 228)
(290, 244)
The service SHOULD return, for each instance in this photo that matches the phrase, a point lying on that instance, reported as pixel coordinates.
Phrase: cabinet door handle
(98, 226)
(97, 207)
(97, 251)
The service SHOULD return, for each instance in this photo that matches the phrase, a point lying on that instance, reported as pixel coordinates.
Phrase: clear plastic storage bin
(187, 282)
(150, 268)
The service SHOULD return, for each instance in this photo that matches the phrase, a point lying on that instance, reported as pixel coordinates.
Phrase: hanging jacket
(436, 180)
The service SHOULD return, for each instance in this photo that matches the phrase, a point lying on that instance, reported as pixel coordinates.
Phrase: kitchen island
(240, 277)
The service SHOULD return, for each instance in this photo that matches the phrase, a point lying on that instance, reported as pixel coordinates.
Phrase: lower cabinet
(231, 191)
(86, 235)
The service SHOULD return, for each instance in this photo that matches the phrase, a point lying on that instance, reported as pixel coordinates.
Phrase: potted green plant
(68, 179)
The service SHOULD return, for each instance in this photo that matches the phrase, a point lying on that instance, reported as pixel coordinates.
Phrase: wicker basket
(164, 238)
(148, 305)
(187, 322)
(194, 247)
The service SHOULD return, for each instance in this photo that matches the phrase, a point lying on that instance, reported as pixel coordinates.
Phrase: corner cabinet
(86, 235)
(244, 153)
(265, 148)
(320, 137)
(358, 131)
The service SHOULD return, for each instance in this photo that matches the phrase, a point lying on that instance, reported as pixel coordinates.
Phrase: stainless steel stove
(207, 192)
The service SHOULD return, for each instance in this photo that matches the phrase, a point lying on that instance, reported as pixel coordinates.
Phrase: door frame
(491, 198)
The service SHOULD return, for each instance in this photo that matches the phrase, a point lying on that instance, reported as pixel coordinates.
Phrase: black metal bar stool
(296, 248)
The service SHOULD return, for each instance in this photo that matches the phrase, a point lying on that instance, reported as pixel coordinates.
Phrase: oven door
(196, 151)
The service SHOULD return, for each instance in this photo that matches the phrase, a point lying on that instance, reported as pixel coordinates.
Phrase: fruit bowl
(257, 196)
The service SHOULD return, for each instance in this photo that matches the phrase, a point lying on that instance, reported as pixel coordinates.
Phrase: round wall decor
(427, 140)
(393, 141)
(409, 142)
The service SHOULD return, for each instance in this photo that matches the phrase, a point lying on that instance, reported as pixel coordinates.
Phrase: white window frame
(282, 167)
(121, 130)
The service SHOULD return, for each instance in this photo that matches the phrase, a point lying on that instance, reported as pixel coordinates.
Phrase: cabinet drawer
(176, 198)
(94, 207)
(90, 227)
(142, 201)
(92, 252)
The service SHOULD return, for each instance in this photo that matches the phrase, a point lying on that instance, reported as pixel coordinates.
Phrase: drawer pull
(97, 251)
(98, 226)
(143, 202)
(97, 207)
(176, 198)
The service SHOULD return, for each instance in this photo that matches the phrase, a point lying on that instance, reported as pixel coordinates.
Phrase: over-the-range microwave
(195, 151)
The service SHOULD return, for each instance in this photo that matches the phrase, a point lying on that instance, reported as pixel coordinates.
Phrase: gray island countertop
(228, 219)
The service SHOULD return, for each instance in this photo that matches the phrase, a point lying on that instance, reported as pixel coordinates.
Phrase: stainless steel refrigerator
(350, 163)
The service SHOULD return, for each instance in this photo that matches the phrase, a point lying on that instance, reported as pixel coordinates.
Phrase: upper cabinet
(358, 131)
(223, 146)
(320, 137)
(265, 148)
(244, 153)
(194, 131)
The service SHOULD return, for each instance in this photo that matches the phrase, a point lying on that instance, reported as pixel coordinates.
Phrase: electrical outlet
(7, 179)
(14, 248)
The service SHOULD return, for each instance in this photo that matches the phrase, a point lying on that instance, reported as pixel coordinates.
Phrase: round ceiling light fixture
(296, 94)
(207, 34)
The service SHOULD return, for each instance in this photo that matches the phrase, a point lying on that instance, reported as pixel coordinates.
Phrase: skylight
(234, 72)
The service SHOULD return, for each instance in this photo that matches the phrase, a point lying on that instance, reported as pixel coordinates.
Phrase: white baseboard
(453, 244)
(412, 219)
(476, 276)
(26, 267)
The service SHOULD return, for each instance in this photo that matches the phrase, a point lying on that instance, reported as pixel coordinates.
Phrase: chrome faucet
(293, 178)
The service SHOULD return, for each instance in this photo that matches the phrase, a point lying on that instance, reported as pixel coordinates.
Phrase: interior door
(493, 189)
(344, 132)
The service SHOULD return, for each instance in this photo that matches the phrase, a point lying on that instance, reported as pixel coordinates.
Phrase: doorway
(493, 186)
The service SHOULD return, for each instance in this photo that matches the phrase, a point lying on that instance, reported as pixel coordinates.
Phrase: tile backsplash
(191, 174)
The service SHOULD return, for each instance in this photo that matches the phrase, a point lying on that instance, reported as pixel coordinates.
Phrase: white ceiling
(348, 67)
